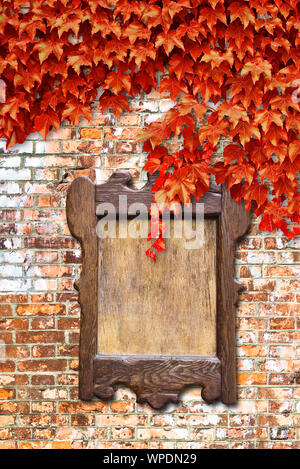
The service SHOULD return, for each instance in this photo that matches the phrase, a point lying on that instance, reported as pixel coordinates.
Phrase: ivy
(232, 65)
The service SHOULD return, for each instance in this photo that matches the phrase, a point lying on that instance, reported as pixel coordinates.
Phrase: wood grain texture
(157, 380)
(233, 223)
(158, 309)
(82, 223)
(118, 185)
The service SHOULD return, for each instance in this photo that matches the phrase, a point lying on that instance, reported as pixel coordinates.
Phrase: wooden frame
(155, 379)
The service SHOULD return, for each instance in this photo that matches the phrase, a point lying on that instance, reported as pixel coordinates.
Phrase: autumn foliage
(231, 67)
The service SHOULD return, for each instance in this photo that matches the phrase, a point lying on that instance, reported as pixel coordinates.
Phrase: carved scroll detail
(157, 380)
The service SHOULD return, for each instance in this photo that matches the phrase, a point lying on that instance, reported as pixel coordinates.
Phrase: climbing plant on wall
(231, 67)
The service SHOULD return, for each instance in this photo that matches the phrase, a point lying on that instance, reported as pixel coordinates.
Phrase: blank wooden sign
(167, 308)
(156, 328)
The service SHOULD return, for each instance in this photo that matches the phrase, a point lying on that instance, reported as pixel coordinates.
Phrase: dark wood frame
(155, 379)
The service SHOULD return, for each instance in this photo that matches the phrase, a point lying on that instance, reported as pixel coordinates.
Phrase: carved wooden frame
(155, 379)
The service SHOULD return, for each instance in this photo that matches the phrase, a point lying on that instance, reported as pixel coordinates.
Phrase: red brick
(41, 309)
(43, 351)
(7, 366)
(280, 271)
(251, 378)
(43, 323)
(14, 351)
(88, 161)
(40, 337)
(122, 406)
(84, 420)
(42, 365)
(68, 350)
(83, 407)
(46, 243)
(279, 323)
(90, 133)
(68, 379)
(11, 298)
(253, 351)
(8, 445)
(6, 310)
(72, 257)
(42, 297)
(279, 309)
(252, 324)
(7, 394)
(131, 120)
(281, 379)
(42, 380)
(68, 323)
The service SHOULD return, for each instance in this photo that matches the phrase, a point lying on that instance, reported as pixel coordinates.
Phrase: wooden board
(126, 336)
(167, 308)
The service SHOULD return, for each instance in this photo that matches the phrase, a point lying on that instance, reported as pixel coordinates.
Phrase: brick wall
(39, 323)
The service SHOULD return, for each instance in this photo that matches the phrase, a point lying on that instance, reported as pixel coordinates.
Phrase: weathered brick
(90, 133)
(46, 243)
(13, 324)
(40, 337)
(15, 174)
(162, 434)
(42, 365)
(122, 406)
(282, 323)
(41, 309)
(83, 407)
(40, 314)
(42, 380)
(281, 271)
(251, 378)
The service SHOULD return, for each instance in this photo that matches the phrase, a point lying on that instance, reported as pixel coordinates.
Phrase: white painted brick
(10, 161)
(35, 162)
(44, 285)
(15, 174)
(40, 147)
(26, 147)
(34, 271)
(14, 285)
(14, 257)
(10, 188)
(34, 136)
(13, 243)
(166, 104)
(278, 366)
(12, 202)
(150, 106)
(294, 243)
(2, 145)
(10, 271)
(152, 118)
